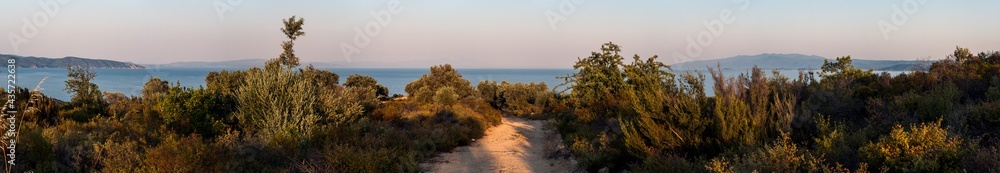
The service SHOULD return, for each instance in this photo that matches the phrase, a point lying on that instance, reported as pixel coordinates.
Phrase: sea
(131, 81)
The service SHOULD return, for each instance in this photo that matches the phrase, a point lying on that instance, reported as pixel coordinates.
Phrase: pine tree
(292, 30)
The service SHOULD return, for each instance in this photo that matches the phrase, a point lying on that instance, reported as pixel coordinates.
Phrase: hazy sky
(495, 34)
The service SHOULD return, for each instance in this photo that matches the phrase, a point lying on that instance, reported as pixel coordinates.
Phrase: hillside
(794, 62)
(42, 62)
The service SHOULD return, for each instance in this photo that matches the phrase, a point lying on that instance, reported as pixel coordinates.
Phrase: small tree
(87, 98)
(292, 30)
(154, 89)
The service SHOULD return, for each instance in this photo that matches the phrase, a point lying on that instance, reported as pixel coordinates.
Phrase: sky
(494, 34)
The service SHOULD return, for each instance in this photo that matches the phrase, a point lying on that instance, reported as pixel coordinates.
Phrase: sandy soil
(517, 145)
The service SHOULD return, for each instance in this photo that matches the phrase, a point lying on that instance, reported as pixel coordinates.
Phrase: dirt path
(517, 145)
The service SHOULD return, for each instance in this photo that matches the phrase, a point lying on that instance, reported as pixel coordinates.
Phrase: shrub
(781, 156)
(34, 152)
(427, 85)
(666, 163)
(983, 159)
(445, 96)
(187, 154)
(188, 110)
(983, 120)
(923, 148)
(124, 156)
(355, 80)
(277, 105)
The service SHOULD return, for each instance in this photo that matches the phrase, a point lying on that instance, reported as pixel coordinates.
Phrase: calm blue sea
(131, 81)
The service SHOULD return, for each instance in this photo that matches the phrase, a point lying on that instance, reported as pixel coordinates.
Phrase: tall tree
(292, 30)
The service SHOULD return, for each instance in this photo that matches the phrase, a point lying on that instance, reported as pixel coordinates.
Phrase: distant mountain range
(764, 61)
(795, 62)
(243, 63)
(42, 62)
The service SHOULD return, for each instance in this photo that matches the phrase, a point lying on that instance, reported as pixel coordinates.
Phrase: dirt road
(517, 145)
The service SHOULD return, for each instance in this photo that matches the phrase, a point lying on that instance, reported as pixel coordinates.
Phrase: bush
(355, 80)
(278, 105)
(188, 110)
(187, 154)
(441, 76)
(124, 156)
(518, 99)
(781, 156)
(923, 148)
(667, 163)
(445, 96)
(983, 120)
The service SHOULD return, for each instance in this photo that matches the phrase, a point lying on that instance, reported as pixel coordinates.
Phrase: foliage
(188, 111)
(424, 88)
(518, 99)
(445, 96)
(287, 59)
(357, 80)
(923, 148)
(781, 156)
(87, 98)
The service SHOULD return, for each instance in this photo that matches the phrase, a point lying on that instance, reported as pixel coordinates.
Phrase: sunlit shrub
(923, 148)
(424, 88)
(124, 156)
(187, 154)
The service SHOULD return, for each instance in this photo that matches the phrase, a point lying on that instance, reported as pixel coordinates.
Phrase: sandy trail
(517, 145)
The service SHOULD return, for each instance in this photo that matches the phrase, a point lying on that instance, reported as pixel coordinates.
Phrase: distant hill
(42, 62)
(243, 63)
(794, 62)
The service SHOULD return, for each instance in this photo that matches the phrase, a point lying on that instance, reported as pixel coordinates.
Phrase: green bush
(424, 88)
(923, 148)
(278, 105)
(983, 120)
(445, 96)
(355, 80)
(188, 110)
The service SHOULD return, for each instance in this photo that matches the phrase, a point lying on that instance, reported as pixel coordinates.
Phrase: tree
(154, 89)
(292, 30)
(86, 95)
